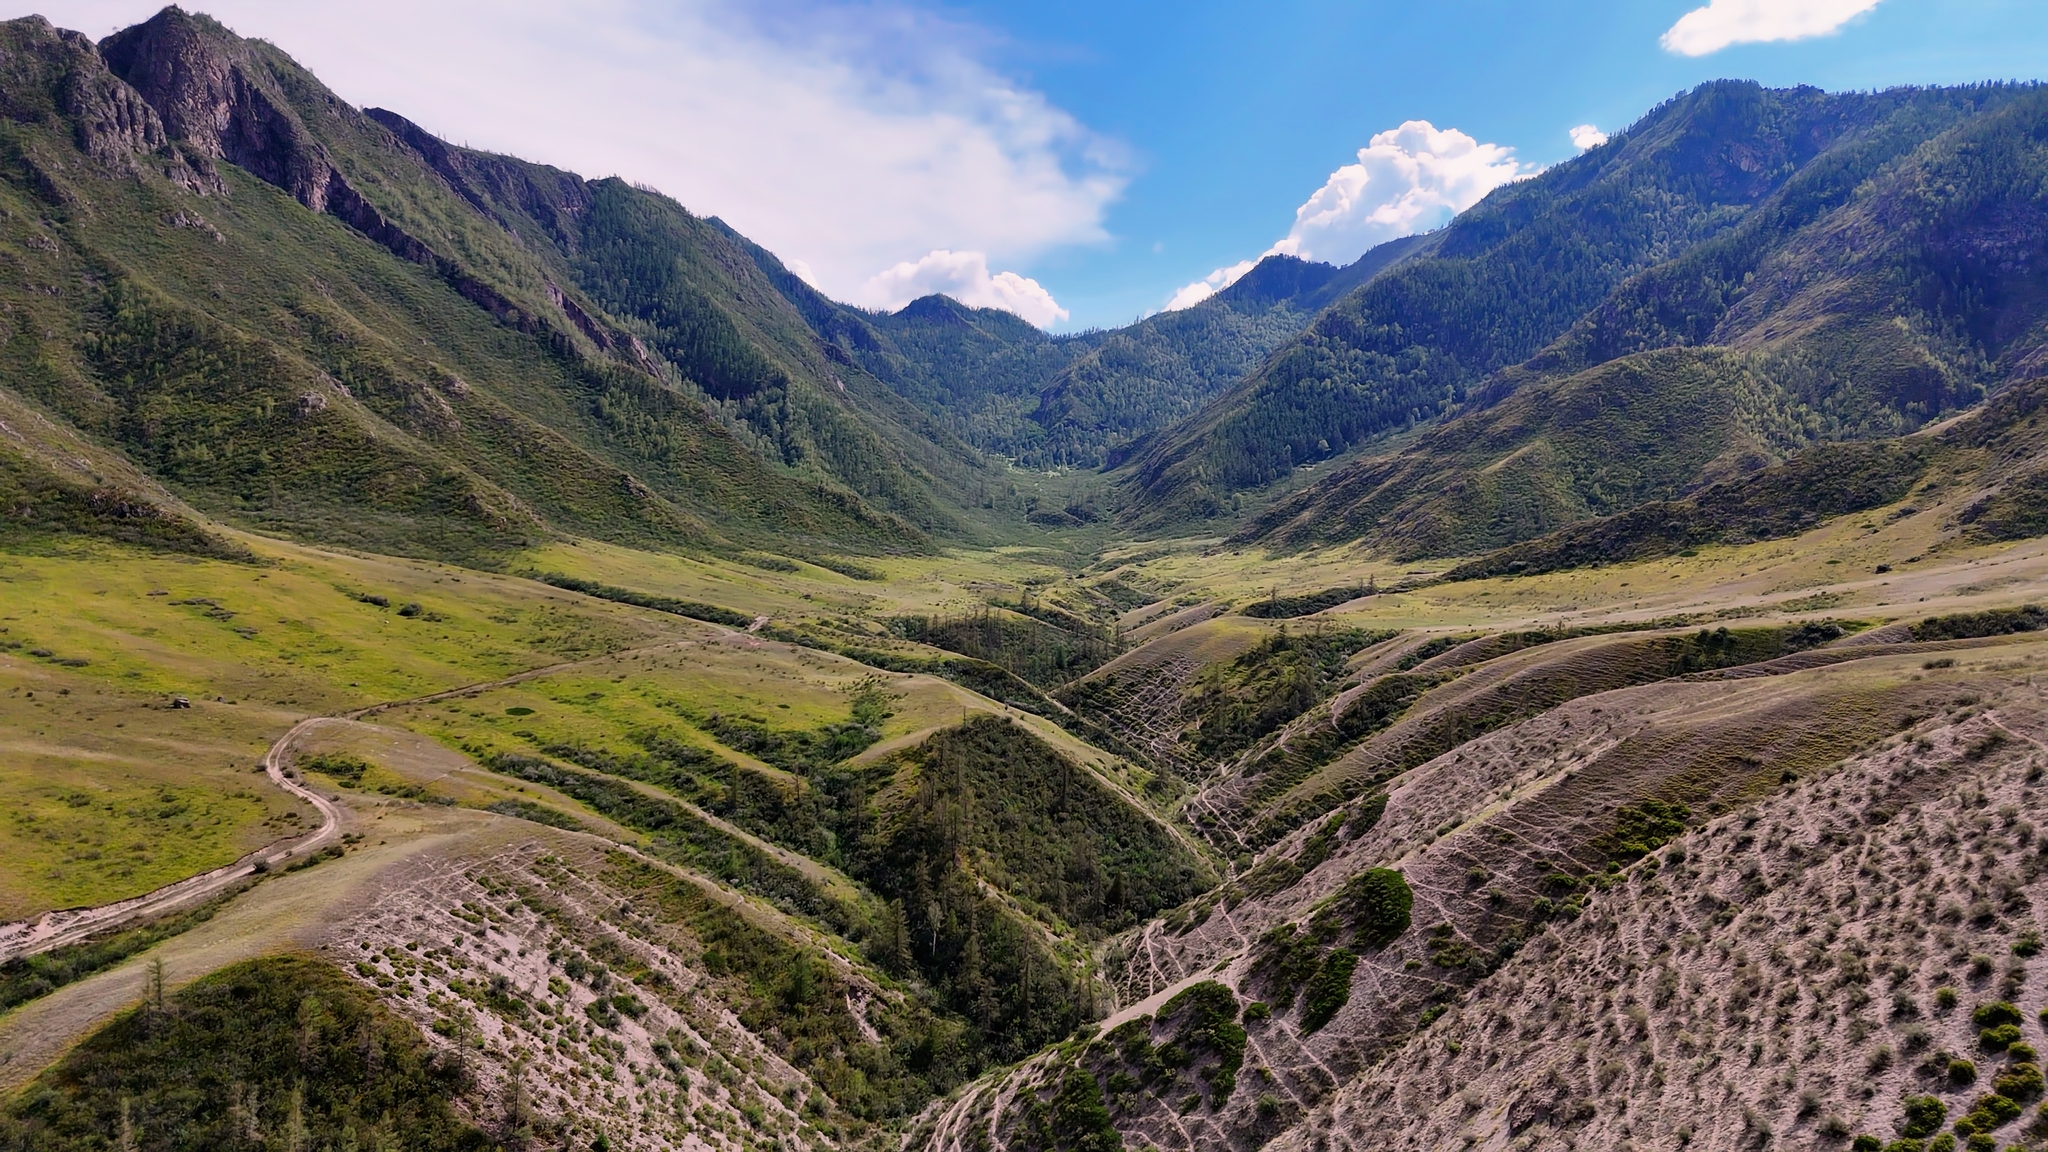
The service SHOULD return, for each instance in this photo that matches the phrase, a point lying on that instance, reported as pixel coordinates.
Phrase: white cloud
(1193, 294)
(1408, 179)
(965, 277)
(843, 138)
(1586, 137)
(1725, 22)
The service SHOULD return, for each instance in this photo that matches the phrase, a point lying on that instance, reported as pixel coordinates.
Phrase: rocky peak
(46, 74)
(214, 94)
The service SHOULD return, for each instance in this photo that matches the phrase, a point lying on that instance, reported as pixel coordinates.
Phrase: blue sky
(1081, 162)
(1235, 113)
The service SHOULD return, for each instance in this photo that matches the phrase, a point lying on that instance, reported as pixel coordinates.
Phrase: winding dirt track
(70, 925)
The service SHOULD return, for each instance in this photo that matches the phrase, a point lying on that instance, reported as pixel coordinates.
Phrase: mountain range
(1565, 679)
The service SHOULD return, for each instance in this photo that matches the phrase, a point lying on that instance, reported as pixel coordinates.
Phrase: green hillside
(1730, 161)
(1881, 287)
(240, 303)
(1081, 401)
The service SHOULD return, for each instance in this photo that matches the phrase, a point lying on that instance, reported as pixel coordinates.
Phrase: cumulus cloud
(1408, 179)
(1192, 294)
(844, 138)
(1586, 137)
(965, 277)
(1725, 22)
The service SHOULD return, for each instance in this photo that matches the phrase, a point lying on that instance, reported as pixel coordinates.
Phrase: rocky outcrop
(222, 98)
(211, 94)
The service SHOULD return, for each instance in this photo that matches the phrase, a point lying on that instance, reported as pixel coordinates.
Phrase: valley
(492, 659)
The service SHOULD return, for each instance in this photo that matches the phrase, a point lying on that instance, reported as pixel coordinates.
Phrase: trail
(58, 928)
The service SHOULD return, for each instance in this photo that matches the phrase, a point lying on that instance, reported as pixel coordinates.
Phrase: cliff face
(212, 96)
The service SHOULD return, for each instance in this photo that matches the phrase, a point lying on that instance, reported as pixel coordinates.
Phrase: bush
(1080, 1122)
(2000, 1038)
(1945, 999)
(1924, 1115)
(1995, 1013)
(1377, 902)
(1962, 1072)
(2020, 1082)
(1330, 988)
(1866, 1143)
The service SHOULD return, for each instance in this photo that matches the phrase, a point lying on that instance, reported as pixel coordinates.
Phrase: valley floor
(1709, 851)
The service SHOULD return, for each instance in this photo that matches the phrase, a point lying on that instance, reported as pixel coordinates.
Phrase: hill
(224, 278)
(1730, 177)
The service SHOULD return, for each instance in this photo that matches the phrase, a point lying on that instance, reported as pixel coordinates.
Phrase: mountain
(490, 659)
(1057, 402)
(1735, 171)
(1893, 281)
(308, 319)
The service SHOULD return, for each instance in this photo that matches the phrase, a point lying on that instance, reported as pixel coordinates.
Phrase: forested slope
(1513, 274)
(1895, 280)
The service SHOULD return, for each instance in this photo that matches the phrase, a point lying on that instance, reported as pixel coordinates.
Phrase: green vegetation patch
(1328, 990)
(1973, 625)
(1640, 829)
(283, 1052)
(26, 978)
(1278, 607)
(709, 613)
(1074, 1120)
(1235, 705)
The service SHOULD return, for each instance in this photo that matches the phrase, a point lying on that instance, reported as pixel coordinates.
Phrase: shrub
(1945, 1142)
(1258, 1010)
(2000, 1038)
(1945, 999)
(1377, 902)
(1962, 1072)
(1866, 1143)
(2020, 1082)
(1080, 1122)
(2028, 944)
(1995, 1013)
(1924, 1115)
(1329, 988)
(1906, 1144)
(2023, 1053)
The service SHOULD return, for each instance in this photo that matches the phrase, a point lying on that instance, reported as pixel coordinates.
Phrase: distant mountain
(1441, 334)
(1078, 401)
(1897, 277)
(306, 319)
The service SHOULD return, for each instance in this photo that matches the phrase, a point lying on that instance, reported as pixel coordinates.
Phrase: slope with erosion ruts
(1022, 891)
(1832, 312)
(1426, 712)
(1529, 825)
(1923, 857)
(1508, 277)
(1141, 695)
